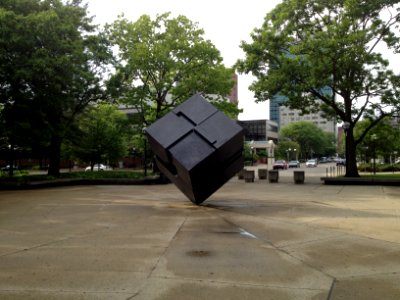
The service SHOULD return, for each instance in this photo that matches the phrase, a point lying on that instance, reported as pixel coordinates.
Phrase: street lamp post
(271, 153)
(374, 138)
(145, 150)
(11, 160)
(288, 153)
(252, 151)
(365, 156)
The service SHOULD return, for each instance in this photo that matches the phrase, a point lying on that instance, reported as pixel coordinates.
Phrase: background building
(261, 135)
(274, 105)
(284, 115)
(287, 116)
(259, 131)
(233, 96)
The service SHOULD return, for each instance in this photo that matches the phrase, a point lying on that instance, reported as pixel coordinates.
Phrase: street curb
(360, 181)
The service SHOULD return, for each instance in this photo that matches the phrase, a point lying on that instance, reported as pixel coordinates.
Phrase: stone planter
(273, 175)
(249, 176)
(298, 177)
(262, 173)
(241, 174)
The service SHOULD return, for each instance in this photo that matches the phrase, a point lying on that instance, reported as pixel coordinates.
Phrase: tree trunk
(351, 157)
(55, 155)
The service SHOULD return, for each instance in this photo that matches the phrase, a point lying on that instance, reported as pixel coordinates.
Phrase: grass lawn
(382, 175)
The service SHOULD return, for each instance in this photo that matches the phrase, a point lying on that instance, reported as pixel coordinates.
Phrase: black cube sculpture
(197, 147)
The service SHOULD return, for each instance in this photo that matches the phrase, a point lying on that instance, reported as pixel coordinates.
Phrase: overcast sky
(226, 24)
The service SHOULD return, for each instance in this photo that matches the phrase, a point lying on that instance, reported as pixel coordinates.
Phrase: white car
(98, 167)
(311, 163)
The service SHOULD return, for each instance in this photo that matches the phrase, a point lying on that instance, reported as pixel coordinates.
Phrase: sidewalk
(248, 241)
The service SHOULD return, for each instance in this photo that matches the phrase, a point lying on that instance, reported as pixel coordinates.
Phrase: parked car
(7, 168)
(323, 160)
(311, 163)
(280, 164)
(294, 164)
(98, 167)
(341, 162)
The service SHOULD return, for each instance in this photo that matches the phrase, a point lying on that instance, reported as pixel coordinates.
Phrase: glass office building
(259, 130)
(274, 105)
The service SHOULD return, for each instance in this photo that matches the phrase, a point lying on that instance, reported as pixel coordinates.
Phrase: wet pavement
(248, 241)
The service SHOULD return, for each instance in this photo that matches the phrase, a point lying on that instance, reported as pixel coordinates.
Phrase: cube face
(197, 147)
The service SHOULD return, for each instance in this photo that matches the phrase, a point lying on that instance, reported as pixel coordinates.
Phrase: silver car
(294, 164)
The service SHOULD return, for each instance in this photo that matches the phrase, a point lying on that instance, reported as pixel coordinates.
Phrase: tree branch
(392, 20)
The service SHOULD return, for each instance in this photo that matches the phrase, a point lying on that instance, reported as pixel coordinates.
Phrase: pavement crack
(167, 247)
(133, 296)
(150, 274)
(331, 289)
(35, 247)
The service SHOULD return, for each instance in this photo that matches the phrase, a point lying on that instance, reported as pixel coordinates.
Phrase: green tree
(382, 140)
(3, 137)
(281, 151)
(50, 62)
(330, 144)
(164, 61)
(249, 153)
(324, 55)
(103, 135)
(312, 139)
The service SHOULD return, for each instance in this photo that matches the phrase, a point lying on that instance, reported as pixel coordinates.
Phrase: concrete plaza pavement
(248, 241)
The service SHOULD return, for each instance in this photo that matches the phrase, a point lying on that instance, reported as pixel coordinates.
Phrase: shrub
(379, 167)
(23, 176)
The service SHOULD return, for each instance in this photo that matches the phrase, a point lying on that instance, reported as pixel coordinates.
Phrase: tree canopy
(326, 55)
(282, 150)
(102, 136)
(50, 70)
(162, 62)
(383, 139)
(313, 140)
